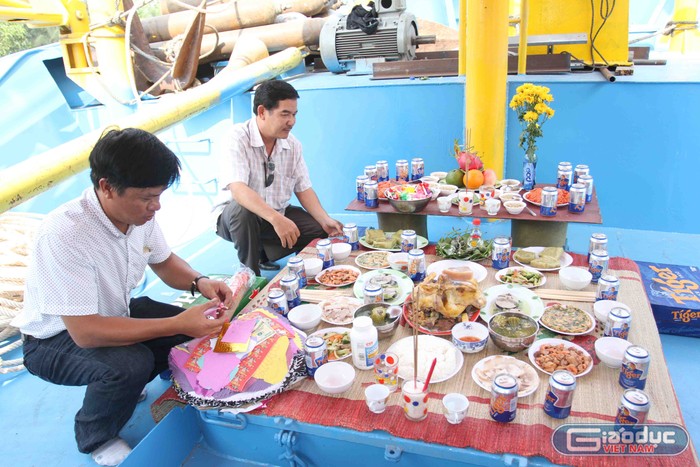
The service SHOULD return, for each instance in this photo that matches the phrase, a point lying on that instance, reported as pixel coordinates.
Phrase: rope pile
(17, 232)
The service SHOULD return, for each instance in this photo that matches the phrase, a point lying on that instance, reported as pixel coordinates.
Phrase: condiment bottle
(475, 235)
(364, 342)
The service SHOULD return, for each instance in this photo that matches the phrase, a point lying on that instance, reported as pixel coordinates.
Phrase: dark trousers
(254, 236)
(114, 376)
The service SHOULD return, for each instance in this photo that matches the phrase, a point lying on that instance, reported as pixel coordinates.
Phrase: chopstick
(567, 295)
(530, 211)
(316, 296)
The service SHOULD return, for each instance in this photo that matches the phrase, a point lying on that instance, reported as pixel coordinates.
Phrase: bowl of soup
(513, 331)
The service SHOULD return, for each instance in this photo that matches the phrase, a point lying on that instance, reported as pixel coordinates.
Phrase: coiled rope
(17, 232)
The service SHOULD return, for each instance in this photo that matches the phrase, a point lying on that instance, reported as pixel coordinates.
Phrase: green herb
(455, 245)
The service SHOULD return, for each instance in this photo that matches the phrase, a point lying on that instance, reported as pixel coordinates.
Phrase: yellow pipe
(462, 62)
(485, 89)
(522, 43)
(39, 173)
(34, 18)
(685, 39)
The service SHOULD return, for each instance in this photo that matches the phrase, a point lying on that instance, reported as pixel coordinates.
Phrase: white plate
(335, 268)
(540, 204)
(445, 351)
(502, 272)
(404, 282)
(437, 267)
(340, 330)
(592, 326)
(422, 242)
(569, 345)
(507, 361)
(358, 260)
(533, 305)
(565, 260)
(353, 303)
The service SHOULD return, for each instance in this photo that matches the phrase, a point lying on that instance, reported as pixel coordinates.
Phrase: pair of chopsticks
(316, 296)
(567, 295)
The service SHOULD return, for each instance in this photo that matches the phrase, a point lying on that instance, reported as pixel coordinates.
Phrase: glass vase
(529, 172)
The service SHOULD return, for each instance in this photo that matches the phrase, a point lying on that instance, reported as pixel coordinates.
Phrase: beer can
(500, 256)
(296, 267)
(316, 353)
(371, 195)
(618, 323)
(634, 408)
(290, 287)
(402, 170)
(598, 264)
(549, 201)
(565, 175)
(373, 293)
(360, 186)
(417, 168)
(635, 367)
(608, 287)
(325, 253)
(560, 395)
(350, 231)
(598, 241)
(371, 172)
(409, 240)
(577, 198)
(580, 169)
(277, 301)
(382, 171)
(504, 398)
(587, 180)
(416, 265)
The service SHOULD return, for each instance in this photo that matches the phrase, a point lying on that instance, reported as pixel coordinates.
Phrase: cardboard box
(674, 294)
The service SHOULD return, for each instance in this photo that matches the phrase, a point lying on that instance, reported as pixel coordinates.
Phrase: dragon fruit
(466, 159)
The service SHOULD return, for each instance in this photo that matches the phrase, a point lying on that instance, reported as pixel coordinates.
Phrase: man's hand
(332, 227)
(193, 322)
(286, 230)
(212, 289)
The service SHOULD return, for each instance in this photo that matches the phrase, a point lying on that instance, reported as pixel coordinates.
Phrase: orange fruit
(473, 179)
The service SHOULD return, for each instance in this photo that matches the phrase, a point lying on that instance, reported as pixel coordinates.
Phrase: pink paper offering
(238, 335)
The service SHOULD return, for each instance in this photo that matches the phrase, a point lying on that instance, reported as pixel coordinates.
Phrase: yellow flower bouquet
(530, 102)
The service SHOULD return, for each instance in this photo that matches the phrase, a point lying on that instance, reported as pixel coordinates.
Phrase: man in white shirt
(79, 324)
(263, 168)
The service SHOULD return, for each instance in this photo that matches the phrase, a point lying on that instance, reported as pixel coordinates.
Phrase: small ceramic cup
(492, 206)
(455, 407)
(444, 203)
(376, 396)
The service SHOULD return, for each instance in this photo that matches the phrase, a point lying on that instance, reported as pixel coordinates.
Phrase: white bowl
(474, 330)
(341, 251)
(434, 190)
(398, 261)
(514, 207)
(334, 377)
(447, 190)
(312, 266)
(305, 316)
(439, 175)
(429, 179)
(575, 278)
(610, 350)
(511, 184)
(508, 196)
(601, 308)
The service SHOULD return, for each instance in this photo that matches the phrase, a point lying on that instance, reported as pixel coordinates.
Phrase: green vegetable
(455, 245)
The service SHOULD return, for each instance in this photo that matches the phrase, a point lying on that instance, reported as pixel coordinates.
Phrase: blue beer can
(580, 169)
(296, 267)
(360, 186)
(382, 171)
(500, 256)
(577, 198)
(598, 264)
(409, 240)
(402, 170)
(587, 180)
(290, 287)
(560, 395)
(325, 253)
(598, 241)
(618, 323)
(277, 301)
(371, 172)
(634, 408)
(316, 353)
(371, 194)
(350, 231)
(548, 207)
(504, 398)
(417, 168)
(608, 287)
(416, 265)
(635, 367)
(565, 175)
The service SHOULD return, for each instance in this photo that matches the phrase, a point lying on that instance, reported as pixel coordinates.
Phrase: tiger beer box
(674, 294)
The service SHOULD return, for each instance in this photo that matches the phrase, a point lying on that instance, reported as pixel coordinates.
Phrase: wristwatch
(193, 286)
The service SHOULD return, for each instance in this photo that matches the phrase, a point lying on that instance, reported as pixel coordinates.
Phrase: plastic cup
(455, 407)
(415, 400)
(444, 203)
(386, 370)
(492, 206)
(376, 396)
(466, 202)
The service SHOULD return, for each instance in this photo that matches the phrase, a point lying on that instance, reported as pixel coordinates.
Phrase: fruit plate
(422, 243)
(503, 275)
(403, 284)
(449, 358)
(437, 267)
(330, 335)
(525, 197)
(530, 304)
(535, 347)
(486, 368)
(565, 260)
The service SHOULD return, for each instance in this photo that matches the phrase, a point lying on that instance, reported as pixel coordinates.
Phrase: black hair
(133, 158)
(270, 93)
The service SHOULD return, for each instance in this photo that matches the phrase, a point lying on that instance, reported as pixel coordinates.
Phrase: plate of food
(338, 276)
(339, 310)
(376, 239)
(373, 260)
(549, 355)
(542, 258)
(478, 270)
(510, 297)
(567, 320)
(449, 358)
(485, 370)
(525, 277)
(337, 342)
(396, 285)
(535, 197)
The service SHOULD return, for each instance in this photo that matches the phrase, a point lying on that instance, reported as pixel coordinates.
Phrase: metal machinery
(354, 51)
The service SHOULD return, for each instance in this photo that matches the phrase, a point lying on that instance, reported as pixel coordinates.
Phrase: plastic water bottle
(475, 239)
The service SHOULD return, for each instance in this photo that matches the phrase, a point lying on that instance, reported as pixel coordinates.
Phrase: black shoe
(269, 266)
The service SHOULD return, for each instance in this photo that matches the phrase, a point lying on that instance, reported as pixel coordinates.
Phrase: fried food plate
(334, 275)
(565, 260)
(537, 345)
(563, 322)
(373, 260)
(332, 336)
(485, 369)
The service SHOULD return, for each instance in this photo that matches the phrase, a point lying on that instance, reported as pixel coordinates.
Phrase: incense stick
(415, 342)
